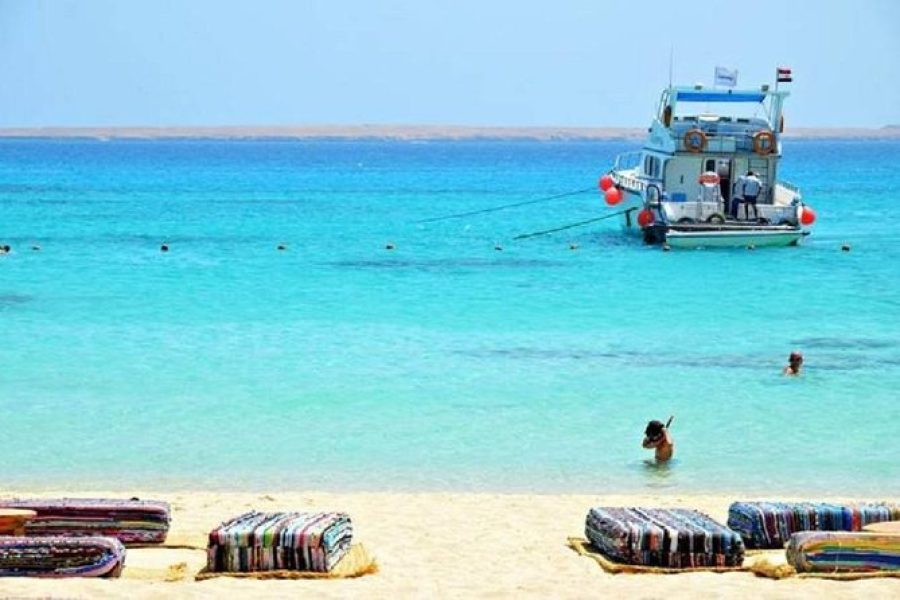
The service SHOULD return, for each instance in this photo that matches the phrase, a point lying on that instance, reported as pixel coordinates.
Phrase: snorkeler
(795, 363)
(657, 436)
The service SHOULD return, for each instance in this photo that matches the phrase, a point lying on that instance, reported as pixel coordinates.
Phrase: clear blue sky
(463, 62)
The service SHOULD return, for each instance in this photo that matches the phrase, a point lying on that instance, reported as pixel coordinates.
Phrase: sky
(578, 63)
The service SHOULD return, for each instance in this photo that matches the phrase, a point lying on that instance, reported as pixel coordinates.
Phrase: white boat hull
(732, 239)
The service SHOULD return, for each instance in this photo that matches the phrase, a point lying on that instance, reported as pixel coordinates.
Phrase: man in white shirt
(750, 187)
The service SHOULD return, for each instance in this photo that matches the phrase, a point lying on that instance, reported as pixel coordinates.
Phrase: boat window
(710, 165)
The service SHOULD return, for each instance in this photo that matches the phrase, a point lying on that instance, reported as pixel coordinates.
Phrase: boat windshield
(722, 105)
(716, 112)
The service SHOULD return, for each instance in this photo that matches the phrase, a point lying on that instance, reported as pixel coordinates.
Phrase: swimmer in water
(657, 436)
(795, 363)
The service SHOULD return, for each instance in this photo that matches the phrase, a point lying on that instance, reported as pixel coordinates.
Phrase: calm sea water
(443, 364)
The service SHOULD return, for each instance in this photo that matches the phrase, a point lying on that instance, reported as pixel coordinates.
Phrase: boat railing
(724, 143)
(789, 186)
(630, 183)
(785, 194)
(722, 135)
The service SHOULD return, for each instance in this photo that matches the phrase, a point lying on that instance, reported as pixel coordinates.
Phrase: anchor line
(504, 206)
(573, 225)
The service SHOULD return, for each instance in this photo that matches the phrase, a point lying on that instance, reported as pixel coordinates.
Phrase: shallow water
(444, 363)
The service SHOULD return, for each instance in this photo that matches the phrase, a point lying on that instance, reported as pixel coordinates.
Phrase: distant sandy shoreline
(431, 545)
(402, 133)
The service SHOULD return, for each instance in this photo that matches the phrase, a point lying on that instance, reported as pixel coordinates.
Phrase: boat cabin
(703, 141)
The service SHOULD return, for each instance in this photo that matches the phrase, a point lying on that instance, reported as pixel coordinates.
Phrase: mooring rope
(572, 225)
(505, 206)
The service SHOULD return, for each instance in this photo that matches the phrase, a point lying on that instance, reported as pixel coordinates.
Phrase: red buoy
(613, 196)
(807, 215)
(606, 182)
(645, 217)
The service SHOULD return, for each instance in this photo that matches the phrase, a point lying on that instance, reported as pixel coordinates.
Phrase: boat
(693, 182)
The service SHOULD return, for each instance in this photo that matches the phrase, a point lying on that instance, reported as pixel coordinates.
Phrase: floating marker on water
(164, 248)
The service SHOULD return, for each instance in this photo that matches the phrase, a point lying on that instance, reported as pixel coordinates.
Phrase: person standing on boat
(734, 205)
(751, 186)
(657, 436)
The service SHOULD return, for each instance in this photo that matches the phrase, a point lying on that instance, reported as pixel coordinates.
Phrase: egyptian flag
(784, 75)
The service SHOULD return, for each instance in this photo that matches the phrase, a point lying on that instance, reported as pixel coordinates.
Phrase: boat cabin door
(723, 167)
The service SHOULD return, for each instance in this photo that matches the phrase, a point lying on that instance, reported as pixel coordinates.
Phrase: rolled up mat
(257, 541)
(843, 551)
(131, 521)
(675, 538)
(61, 556)
(771, 524)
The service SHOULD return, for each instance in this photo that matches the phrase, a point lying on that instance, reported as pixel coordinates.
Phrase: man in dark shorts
(750, 189)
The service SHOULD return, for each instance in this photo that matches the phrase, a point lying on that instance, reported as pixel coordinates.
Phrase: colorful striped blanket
(843, 551)
(61, 556)
(297, 541)
(130, 521)
(770, 524)
(677, 538)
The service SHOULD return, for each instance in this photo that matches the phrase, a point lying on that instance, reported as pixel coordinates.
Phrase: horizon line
(397, 132)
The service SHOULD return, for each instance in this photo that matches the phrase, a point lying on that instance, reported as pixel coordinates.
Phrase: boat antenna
(671, 61)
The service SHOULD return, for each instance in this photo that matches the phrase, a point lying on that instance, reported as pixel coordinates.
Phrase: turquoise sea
(443, 364)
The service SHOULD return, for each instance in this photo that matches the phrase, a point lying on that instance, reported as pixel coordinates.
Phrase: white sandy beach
(430, 545)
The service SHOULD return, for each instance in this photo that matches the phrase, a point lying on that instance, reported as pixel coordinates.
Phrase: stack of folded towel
(257, 541)
(61, 557)
(844, 551)
(677, 538)
(130, 521)
(770, 524)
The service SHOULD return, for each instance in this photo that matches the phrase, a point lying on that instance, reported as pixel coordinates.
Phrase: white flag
(726, 77)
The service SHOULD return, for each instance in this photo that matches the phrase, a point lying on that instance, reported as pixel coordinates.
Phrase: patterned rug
(294, 541)
(771, 524)
(61, 557)
(843, 551)
(133, 522)
(660, 537)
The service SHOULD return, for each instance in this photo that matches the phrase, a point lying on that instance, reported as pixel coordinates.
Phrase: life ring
(686, 221)
(764, 142)
(709, 178)
(716, 218)
(694, 140)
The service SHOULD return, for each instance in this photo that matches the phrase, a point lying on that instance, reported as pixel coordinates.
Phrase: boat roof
(713, 95)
